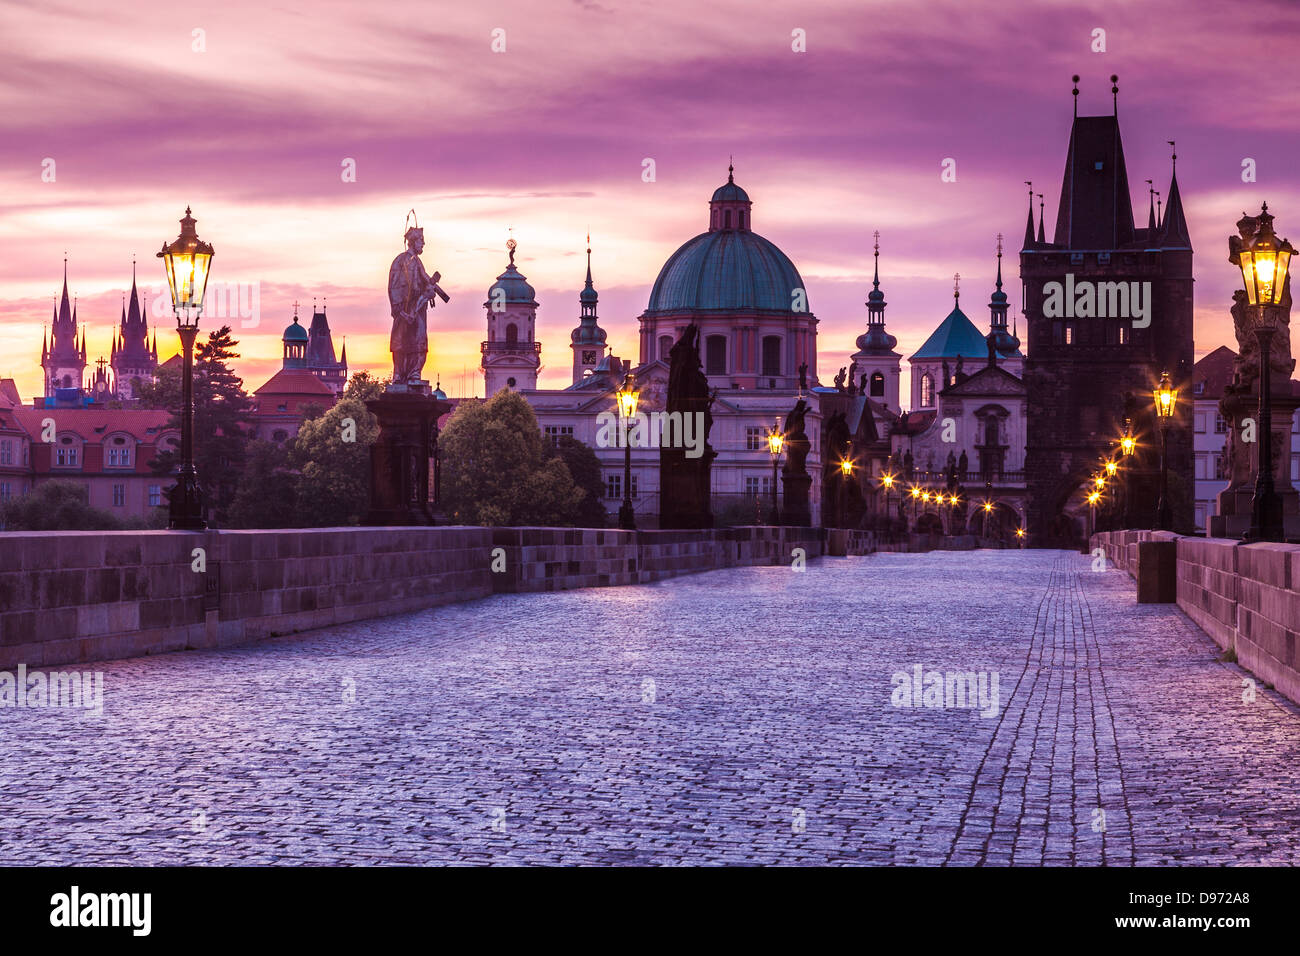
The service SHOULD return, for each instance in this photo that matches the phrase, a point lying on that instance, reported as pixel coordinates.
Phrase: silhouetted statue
(909, 467)
(839, 380)
(684, 482)
(961, 361)
(963, 465)
(862, 385)
(794, 475)
(803, 375)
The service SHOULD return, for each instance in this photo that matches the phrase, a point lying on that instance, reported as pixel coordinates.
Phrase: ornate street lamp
(1166, 399)
(1093, 498)
(775, 442)
(188, 260)
(1264, 261)
(627, 398)
(887, 482)
(846, 472)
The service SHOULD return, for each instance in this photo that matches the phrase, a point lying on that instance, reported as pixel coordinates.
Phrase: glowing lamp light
(627, 398)
(1166, 397)
(775, 442)
(188, 259)
(1020, 532)
(1111, 468)
(1094, 497)
(916, 492)
(846, 467)
(1264, 261)
(988, 506)
(887, 481)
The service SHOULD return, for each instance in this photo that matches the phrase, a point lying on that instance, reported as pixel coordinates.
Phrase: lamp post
(1166, 398)
(846, 472)
(1264, 261)
(1093, 498)
(627, 399)
(188, 260)
(775, 442)
(887, 482)
(1127, 445)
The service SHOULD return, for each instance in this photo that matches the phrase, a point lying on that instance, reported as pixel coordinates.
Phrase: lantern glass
(775, 441)
(627, 399)
(188, 260)
(1166, 397)
(846, 467)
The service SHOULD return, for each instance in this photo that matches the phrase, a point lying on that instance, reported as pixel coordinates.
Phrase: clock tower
(588, 339)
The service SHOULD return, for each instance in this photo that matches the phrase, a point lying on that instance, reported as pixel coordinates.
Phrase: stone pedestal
(795, 507)
(399, 458)
(1233, 510)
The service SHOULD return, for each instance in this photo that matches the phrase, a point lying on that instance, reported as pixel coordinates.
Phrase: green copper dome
(727, 269)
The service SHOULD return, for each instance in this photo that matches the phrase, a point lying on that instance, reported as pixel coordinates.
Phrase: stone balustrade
(74, 596)
(1244, 596)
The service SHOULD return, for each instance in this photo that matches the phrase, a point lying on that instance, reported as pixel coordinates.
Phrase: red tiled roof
(9, 393)
(1215, 371)
(91, 423)
(294, 381)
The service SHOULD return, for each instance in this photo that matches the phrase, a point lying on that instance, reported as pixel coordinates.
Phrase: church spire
(1042, 218)
(876, 339)
(1151, 210)
(1174, 232)
(1029, 221)
(588, 339)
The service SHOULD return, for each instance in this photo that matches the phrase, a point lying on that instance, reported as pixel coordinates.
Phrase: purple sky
(549, 136)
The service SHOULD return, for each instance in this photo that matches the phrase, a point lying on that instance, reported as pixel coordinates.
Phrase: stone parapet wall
(74, 596)
(1245, 597)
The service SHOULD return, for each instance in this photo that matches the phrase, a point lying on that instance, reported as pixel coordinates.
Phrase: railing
(508, 347)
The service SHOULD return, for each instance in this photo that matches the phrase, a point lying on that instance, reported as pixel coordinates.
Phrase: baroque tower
(588, 339)
(876, 358)
(511, 356)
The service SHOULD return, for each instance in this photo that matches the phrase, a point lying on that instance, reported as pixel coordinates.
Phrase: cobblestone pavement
(738, 716)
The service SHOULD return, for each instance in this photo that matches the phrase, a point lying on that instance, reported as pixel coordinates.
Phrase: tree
(268, 489)
(221, 407)
(496, 467)
(332, 456)
(584, 467)
(55, 506)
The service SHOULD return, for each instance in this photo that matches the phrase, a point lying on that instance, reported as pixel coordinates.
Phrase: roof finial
(1114, 92)
(1075, 78)
(956, 285)
(295, 307)
(731, 168)
(875, 281)
(1173, 149)
(1160, 216)
(999, 260)
(510, 244)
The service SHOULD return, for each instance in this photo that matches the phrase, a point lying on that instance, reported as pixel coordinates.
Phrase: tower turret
(588, 339)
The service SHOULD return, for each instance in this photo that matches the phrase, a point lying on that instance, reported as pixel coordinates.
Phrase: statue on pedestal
(794, 474)
(685, 482)
(411, 291)
(407, 413)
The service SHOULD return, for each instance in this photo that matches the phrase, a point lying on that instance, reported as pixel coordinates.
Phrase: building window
(1198, 388)
(512, 334)
(1069, 333)
(1200, 516)
(755, 439)
(1218, 466)
(715, 355)
(771, 355)
(927, 390)
(6, 451)
(4, 491)
(758, 484)
(66, 456)
(726, 219)
(665, 346)
(119, 496)
(614, 485)
(155, 496)
(1123, 335)
(556, 431)
(119, 457)
(877, 385)
(1200, 424)
(1220, 424)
